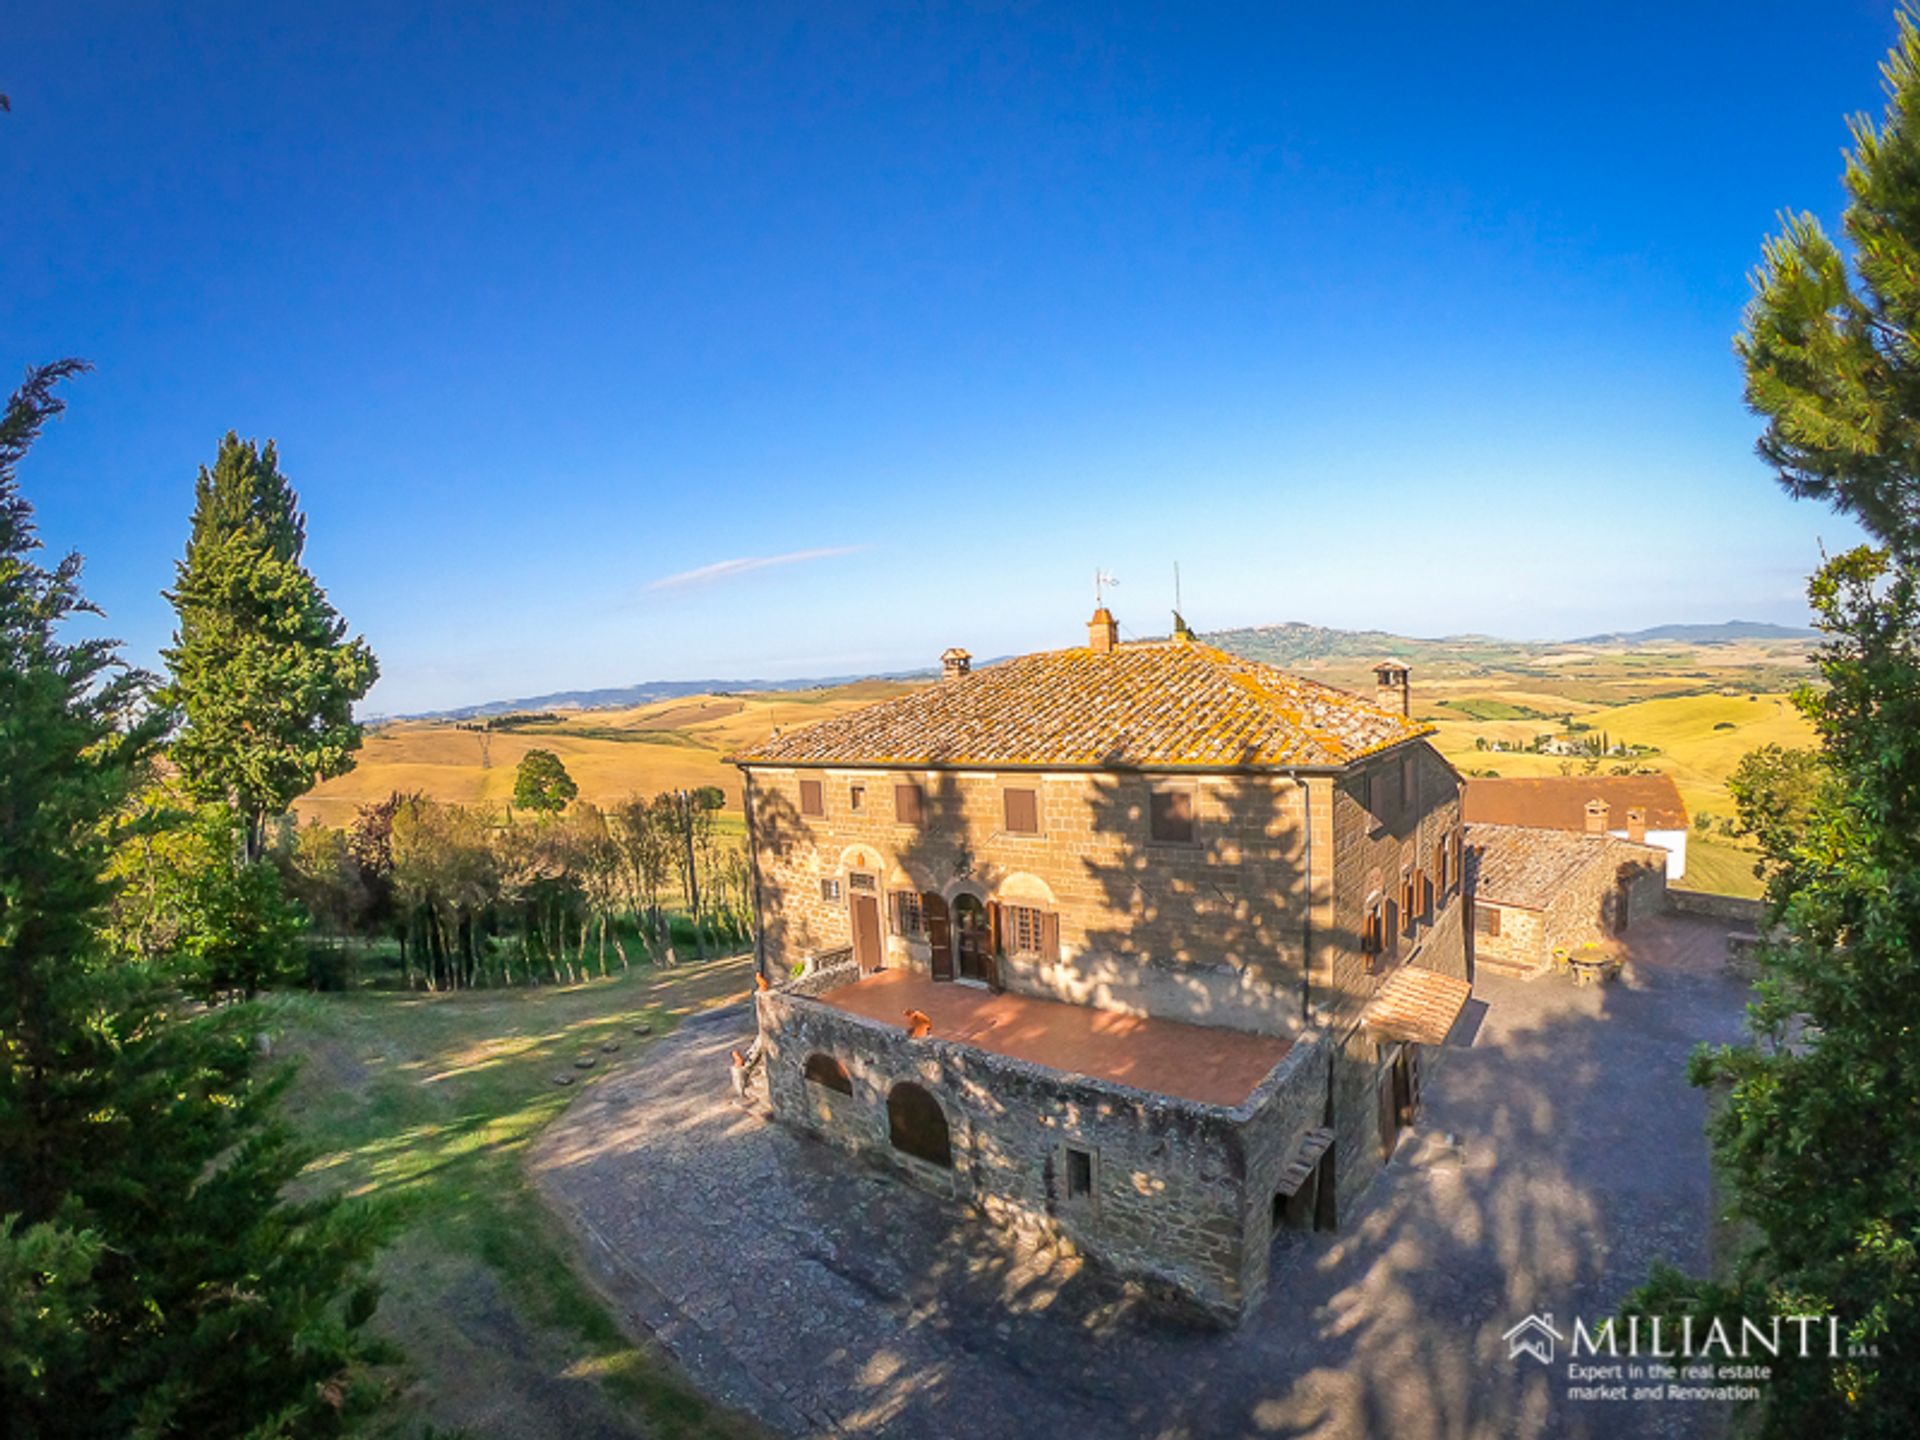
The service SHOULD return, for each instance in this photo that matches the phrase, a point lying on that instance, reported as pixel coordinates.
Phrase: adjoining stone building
(1645, 809)
(1137, 946)
(1537, 892)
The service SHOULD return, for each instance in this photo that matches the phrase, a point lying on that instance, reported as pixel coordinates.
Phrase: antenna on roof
(1101, 580)
(1181, 631)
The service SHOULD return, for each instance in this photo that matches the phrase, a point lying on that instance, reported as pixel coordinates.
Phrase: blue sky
(611, 342)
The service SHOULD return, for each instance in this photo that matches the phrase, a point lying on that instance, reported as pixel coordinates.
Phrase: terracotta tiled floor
(1216, 1067)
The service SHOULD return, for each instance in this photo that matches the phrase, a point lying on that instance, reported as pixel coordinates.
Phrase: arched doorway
(972, 939)
(918, 1126)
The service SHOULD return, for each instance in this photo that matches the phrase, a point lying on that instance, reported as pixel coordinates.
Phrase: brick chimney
(954, 663)
(1392, 687)
(1597, 813)
(1103, 632)
(1637, 824)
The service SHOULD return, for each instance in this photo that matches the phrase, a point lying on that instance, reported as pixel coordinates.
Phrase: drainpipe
(1306, 924)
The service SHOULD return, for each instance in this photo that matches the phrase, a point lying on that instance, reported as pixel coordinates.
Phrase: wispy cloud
(731, 569)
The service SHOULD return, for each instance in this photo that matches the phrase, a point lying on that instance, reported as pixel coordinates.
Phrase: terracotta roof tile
(1418, 1005)
(1519, 865)
(1559, 802)
(1154, 704)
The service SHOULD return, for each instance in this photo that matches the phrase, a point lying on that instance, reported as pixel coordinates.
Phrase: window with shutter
(1022, 927)
(908, 917)
(857, 798)
(907, 804)
(811, 801)
(1023, 812)
(1370, 929)
(1486, 920)
(1170, 817)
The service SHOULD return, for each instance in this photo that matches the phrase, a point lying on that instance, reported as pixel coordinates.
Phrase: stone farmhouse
(1642, 809)
(1535, 892)
(1139, 949)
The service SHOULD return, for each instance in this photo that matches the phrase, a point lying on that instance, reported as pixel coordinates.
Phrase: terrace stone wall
(1181, 1192)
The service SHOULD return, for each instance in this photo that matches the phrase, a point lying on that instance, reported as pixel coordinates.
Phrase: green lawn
(430, 1101)
(1720, 868)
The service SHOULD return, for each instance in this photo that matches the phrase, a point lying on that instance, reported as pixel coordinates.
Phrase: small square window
(1023, 812)
(1079, 1173)
(812, 801)
(1486, 920)
(829, 889)
(857, 798)
(1171, 817)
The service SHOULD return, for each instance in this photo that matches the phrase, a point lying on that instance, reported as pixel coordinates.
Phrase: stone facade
(1178, 1193)
(1620, 884)
(1213, 932)
(1296, 895)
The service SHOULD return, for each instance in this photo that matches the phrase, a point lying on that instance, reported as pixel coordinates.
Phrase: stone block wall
(1580, 911)
(1732, 908)
(1181, 1192)
(1522, 939)
(1212, 933)
(1374, 840)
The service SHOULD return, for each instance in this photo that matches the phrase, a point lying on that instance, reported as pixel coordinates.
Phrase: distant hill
(1295, 643)
(626, 697)
(1290, 644)
(1723, 633)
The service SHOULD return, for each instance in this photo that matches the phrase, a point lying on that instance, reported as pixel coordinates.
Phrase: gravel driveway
(1560, 1151)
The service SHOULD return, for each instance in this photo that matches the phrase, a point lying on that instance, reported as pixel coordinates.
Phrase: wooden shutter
(906, 803)
(1023, 811)
(1049, 936)
(811, 801)
(939, 934)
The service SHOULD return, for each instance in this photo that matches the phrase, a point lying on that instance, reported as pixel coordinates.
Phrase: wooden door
(939, 934)
(1389, 1115)
(866, 932)
(972, 939)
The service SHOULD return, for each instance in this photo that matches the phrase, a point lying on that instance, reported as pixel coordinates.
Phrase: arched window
(829, 1073)
(918, 1126)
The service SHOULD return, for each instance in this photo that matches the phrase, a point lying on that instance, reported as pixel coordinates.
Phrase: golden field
(1702, 708)
(611, 754)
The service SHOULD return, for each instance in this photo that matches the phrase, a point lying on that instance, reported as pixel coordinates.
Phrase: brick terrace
(1212, 1066)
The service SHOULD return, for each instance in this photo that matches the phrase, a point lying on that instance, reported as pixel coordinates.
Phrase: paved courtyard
(1560, 1151)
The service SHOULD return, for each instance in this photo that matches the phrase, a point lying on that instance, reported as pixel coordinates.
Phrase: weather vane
(1101, 580)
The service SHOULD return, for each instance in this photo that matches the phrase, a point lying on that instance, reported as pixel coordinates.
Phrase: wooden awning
(1418, 1005)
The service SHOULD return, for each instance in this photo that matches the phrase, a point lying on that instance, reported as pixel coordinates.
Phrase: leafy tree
(542, 784)
(1775, 789)
(263, 673)
(155, 1281)
(1818, 1136)
(186, 898)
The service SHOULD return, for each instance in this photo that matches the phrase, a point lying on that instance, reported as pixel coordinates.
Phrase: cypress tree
(264, 676)
(153, 1280)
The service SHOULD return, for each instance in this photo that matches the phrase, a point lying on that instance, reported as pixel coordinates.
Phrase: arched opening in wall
(918, 1126)
(828, 1073)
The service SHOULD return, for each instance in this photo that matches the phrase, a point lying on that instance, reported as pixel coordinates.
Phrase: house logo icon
(1533, 1336)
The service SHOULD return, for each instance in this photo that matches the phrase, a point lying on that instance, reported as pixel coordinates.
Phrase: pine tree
(263, 675)
(1820, 1134)
(152, 1279)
